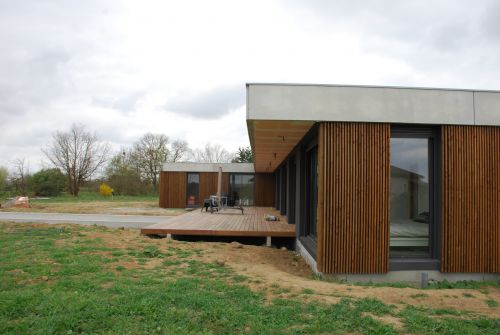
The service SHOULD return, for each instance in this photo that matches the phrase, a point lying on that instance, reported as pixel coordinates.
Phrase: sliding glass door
(242, 188)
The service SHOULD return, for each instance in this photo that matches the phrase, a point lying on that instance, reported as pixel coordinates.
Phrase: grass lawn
(94, 203)
(93, 280)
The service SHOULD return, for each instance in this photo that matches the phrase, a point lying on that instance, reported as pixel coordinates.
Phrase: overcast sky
(124, 68)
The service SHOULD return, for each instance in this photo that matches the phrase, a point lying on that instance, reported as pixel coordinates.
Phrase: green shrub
(48, 182)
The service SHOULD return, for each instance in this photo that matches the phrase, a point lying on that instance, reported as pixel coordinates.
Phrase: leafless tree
(20, 175)
(179, 150)
(149, 153)
(212, 154)
(78, 153)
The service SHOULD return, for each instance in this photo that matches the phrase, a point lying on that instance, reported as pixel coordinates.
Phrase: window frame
(242, 174)
(197, 201)
(432, 262)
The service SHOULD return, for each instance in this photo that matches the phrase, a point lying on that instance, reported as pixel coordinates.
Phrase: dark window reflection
(241, 189)
(410, 200)
(193, 189)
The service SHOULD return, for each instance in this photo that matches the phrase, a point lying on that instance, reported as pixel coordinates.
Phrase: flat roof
(378, 86)
(209, 167)
(279, 115)
(348, 103)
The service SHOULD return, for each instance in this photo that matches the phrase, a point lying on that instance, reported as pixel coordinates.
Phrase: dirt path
(100, 207)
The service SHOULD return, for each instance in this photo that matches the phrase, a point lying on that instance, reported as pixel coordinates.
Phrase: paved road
(112, 221)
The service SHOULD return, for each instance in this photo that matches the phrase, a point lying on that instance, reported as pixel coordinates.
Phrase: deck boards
(228, 223)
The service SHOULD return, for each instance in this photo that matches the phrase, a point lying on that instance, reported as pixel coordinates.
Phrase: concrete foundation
(307, 257)
(413, 276)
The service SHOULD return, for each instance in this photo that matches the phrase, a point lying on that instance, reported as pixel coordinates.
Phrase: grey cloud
(489, 24)
(211, 104)
(126, 103)
(442, 24)
(29, 87)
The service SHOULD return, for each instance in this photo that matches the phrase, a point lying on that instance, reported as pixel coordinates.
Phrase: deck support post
(169, 236)
(268, 241)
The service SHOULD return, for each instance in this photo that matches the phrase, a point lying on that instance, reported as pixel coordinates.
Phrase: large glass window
(411, 198)
(241, 188)
(193, 189)
(311, 191)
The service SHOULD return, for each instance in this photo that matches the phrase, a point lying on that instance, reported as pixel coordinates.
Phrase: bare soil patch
(100, 207)
(284, 273)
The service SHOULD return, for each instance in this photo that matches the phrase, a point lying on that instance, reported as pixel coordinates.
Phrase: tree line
(78, 156)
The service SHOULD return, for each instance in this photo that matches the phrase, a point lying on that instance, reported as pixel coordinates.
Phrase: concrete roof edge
(374, 86)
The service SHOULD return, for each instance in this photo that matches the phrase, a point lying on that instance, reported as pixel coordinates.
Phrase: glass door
(193, 190)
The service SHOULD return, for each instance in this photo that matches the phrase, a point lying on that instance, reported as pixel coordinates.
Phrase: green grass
(463, 284)
(87, 196)
(492, 303)
(420, 321)
(57, 281)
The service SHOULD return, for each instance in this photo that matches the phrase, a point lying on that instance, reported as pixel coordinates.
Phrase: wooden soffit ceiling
(273, 140)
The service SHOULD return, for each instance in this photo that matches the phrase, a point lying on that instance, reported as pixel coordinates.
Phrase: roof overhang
(273, 140)
(209, 167)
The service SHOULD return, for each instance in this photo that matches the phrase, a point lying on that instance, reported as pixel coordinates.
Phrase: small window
(193, 190)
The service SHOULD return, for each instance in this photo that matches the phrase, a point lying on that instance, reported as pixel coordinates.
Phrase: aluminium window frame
(433, 262)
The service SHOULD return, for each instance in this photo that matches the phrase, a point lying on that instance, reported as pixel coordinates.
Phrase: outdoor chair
(215, 206)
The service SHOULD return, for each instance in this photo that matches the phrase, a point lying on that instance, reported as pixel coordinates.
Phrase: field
(69, 279)
(94, 203)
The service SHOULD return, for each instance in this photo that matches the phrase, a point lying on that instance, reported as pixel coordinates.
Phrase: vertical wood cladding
(173, 189)
(470, 205)
(353, 198)
(208, 185)
(264, 189)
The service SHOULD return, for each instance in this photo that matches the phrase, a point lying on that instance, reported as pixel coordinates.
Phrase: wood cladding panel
(470, 201)
(208, 185)
(353, 198)
(264, 189)
(173, 189)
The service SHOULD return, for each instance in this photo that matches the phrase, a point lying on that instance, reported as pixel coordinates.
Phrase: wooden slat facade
(353, 198)
(470, 204)
(264, 189)
(172, 189)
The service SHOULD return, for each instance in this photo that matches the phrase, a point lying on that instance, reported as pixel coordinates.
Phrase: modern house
(377, 180)
(188, 184)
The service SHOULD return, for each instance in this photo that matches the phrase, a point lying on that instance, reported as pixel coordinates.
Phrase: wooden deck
(227, 223)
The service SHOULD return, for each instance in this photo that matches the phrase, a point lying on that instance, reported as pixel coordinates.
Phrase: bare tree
(20, 175)
(212, 154)
(149, 153)
(179, 150)
(78, 153)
